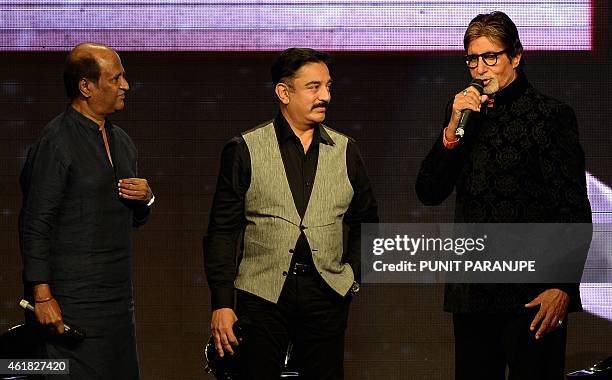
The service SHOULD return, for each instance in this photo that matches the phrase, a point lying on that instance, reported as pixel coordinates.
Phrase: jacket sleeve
(562, 166)
(439, 170)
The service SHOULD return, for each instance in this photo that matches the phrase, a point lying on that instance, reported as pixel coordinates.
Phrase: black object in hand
(478, 84)
(72, 333)
(228, 366)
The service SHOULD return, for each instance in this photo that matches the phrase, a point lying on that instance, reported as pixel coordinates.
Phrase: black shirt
(227, 218)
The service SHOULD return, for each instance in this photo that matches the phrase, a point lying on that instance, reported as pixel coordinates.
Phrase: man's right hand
(48, 311)
(466, 99)
(221, 327)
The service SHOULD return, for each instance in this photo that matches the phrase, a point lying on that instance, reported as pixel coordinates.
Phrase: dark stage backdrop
(181, 110)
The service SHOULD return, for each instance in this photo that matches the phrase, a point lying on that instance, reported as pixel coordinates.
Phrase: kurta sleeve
(43, 181)
(141, 210)
(141, 214)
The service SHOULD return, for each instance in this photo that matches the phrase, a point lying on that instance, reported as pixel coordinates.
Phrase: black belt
(301, 269)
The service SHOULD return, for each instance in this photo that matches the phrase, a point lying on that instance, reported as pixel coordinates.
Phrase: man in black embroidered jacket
(519, 161)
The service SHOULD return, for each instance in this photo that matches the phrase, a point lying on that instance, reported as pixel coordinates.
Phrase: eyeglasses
(489, 58)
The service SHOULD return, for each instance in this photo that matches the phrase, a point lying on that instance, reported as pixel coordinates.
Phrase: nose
(482, 67)
(124, 85)
(325, 94)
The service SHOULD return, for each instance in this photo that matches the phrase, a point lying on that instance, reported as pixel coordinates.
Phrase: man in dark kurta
(81, 201)
(519, 162)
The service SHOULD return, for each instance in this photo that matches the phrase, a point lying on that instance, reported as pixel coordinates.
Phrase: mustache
(320, 105)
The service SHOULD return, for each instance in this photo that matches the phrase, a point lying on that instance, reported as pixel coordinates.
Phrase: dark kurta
(520, 162)
(75, 234)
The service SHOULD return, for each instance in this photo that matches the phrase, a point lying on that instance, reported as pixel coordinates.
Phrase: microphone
(72, 332)
(226, 367)
(465, 114)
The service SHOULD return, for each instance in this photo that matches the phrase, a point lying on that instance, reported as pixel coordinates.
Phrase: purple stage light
(272, 25)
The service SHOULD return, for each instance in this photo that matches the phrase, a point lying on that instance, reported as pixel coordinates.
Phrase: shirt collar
(514, 90)
(284, 132)
(84, 120)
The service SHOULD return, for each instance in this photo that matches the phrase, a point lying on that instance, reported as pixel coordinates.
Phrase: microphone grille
(478, 84)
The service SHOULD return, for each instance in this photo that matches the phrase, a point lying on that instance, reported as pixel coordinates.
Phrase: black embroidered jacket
(520, 162)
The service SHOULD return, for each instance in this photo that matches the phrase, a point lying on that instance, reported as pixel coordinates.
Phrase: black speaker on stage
(18, 343)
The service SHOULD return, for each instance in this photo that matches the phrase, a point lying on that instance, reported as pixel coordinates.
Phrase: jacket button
(291, 251)
(284, 274)
(302, 228)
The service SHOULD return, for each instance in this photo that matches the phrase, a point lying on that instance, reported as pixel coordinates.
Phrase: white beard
(492, 87)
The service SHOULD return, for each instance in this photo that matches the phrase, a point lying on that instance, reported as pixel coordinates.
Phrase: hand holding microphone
(69, 331)
(47, 310)
(465, 102)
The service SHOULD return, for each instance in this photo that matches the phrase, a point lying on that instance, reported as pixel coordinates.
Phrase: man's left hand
(136, 189)
(553, 310)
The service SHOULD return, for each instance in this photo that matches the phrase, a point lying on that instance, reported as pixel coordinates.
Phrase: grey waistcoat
(273, 222)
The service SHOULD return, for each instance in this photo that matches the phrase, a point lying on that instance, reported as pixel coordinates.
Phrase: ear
(282, 92)
(516, 60)
(84, 88)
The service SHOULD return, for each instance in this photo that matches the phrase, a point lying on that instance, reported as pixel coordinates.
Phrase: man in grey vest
(288, 185)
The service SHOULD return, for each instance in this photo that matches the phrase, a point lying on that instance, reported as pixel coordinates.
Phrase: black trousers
(485, 344)
(310, 315)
